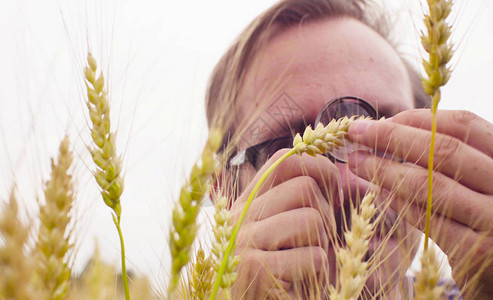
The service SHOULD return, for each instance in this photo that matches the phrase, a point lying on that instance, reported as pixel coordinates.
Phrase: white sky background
(157, 56)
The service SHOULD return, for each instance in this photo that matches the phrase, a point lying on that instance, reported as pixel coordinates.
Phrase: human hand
(462, 224)
(283, 242)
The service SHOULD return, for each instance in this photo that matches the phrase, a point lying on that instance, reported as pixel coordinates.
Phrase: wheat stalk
(222, 233)
(353, 268)
(186, 210)
(322, 139)
(52, 271)
(109, 165)
(436, 43)
(14, 265)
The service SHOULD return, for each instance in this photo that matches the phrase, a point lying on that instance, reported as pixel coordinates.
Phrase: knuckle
(332, 175)
(381, 168)
(314, 221)
(485, 249)
(236, 210)
(313, 216)
(464, 117)
(250, 262)
(251, 267)
(244, 237)
(308, 182)
(330, 168)
(386, 130)
(445, 148)
(319, 256)
(309, 187)
(417, 185)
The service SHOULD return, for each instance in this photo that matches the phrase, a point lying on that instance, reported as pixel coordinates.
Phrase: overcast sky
(157, 56)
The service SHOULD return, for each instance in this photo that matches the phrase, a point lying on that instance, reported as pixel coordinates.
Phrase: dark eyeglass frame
(248, 155)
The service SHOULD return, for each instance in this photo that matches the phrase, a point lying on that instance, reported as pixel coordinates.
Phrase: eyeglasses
(349, 106)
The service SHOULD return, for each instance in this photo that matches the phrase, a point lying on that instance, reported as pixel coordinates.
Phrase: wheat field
(155, 69)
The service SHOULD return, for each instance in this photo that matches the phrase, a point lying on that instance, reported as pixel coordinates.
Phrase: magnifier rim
(369, 108)
(366, 106)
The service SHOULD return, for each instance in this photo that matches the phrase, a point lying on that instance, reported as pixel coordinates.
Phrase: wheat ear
(186, 210)
(322, 139)
(222, 233)
(353, 268)
(426, 284)
(202, 276)
(15, 269)
(436, 43)
(109, 165)
(52, 247)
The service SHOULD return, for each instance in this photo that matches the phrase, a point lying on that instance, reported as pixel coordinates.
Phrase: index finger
(463, 125)
(453, 158)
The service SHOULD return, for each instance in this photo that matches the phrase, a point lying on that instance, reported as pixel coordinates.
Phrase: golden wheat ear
(426, 286)
(53, 247)
(353, 268)
(202, 276)
(15, 266)
(437, 44)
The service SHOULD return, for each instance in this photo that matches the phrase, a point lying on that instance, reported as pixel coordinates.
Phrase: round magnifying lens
(345, 106)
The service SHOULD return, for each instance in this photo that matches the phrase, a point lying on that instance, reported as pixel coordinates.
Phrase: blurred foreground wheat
(43, 271)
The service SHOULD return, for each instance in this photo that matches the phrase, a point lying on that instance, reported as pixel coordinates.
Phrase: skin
(462, 190)
(296, 213)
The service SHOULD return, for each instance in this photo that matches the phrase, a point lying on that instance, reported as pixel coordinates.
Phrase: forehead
(304, 67)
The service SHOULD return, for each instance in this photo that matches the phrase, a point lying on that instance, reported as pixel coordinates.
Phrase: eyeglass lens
(258, 155)
(348, 106)
(341, 107)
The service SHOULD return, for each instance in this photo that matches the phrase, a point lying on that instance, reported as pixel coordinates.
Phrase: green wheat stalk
(109, 165)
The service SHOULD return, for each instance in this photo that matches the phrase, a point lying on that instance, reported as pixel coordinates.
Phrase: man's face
(303, 68)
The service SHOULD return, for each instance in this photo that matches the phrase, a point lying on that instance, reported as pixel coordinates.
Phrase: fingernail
(357, 158)
(359, 128)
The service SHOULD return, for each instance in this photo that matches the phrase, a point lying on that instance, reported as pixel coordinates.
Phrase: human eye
(258, 155)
